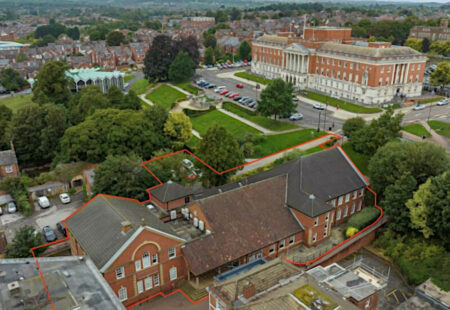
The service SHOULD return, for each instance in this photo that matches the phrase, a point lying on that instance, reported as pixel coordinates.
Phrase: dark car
(49, 234)
(237, 98)
(61, 228)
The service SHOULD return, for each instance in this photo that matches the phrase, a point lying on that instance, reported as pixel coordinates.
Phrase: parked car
(205, 85)
(43, 202)
(237, 98)
(211, 85)
(419, 107)
(318, 106)
(188, 164)
(442, 102)
(240, 85)
(65, 198)
(224, 92)
(11, 207)
(199, 81)
(1, 211)
(233, 95)
(243, 99)
(247, 101)
(296, 116)
(49, 233)
(229, 94)
(219, 89)
(61, 228)
(294, 98)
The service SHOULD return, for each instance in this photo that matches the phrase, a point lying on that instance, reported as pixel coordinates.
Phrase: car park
(296, 116)
(224, 92)
(229, 94)
(419, 107)
(442, 102)
(240, 85)
(237, 98)
(211, 85)
(65, 198)
(318, 106)
(219, 89)
(49, 233)
(233, 95)
(243, 99)
(11, 207)
(43, 202)
(61, 228)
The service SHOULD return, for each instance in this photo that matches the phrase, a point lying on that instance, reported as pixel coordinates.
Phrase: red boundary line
(333, 137)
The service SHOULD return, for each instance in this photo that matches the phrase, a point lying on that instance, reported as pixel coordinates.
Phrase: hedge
(364, 218)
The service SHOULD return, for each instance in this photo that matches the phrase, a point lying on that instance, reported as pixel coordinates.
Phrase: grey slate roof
(326, 175)
(97, 226)
(170, 191)
(8, 158)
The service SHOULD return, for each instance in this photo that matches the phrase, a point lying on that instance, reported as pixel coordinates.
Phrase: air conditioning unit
(195, 222)
(201, 225)
(173, 215)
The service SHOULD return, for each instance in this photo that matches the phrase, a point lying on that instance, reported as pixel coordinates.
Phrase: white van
(43, 202)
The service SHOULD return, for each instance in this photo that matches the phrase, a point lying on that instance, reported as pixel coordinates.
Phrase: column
(282, 60)
(406, 80)
(305, 64)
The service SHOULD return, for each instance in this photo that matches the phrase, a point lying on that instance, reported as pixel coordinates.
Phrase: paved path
(442, 141)
(267, 160)
(137, 76)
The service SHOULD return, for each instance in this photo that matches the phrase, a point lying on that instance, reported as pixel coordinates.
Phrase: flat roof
(72, 282)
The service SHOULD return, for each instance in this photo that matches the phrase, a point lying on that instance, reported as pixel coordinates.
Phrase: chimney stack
(248, 290)
(126, 226)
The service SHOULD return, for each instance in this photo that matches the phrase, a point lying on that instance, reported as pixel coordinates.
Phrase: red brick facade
(9, 171)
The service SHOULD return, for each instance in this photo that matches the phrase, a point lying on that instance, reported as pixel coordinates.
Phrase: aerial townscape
(224, 155)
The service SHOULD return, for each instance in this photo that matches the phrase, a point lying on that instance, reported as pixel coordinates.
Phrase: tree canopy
(178, 129)
(276, 99)
(52, 84)
(26, 237)
(441, 76)
(115, 38)
(245, 50)
(5, 118)
(182, 68)
(352, 125)
(11, 80)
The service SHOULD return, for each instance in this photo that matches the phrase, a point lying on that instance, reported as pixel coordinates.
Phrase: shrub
(24, 205)
(350, 231)
(366, 217)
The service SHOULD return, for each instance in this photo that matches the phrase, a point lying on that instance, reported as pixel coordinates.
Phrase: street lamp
(318, 124)
(325, 117)
(429, 111)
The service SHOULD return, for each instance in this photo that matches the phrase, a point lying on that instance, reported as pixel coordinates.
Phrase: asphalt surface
(440, 113)
(137, 76)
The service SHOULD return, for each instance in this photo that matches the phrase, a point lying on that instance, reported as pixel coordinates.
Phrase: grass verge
(360, 160)
(262, 121)
(434, 99)
(128, 78)
(140, 86)
(165, 96)
(351, 107)
(441, 128)
(16, 102)
(416, 129)
(187, 86)
(253, 77)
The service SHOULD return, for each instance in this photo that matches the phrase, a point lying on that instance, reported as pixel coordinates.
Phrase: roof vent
(126, 226)
(14, 287)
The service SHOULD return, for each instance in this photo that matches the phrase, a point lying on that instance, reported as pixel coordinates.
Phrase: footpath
(435, 137)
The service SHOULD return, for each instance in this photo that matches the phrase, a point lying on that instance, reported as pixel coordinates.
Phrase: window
(338, 216)
(347, 197)
(418, 67)
(361, 192)
(186, 199)
(351, 65)
(316, 221)
(281, 244)
(350, 76)
(412, 67)
(382, 69)
(140, 287)
(355, 194)
(154, 258)
(173, 273)
(353, 209)
(389, 68)
(380, 81)
(148, 283)
(325, 232)
(346, 211)
(272, 248)
(123, 294)
(120, 272)
(292, 239)
(137, 264)
(145, 260)
(341, 200)
(171, 253)
(9, 169)
(314, 237)
(333, 203)
(327, 217)
(156, 280)
(359, 205)
(367, 305)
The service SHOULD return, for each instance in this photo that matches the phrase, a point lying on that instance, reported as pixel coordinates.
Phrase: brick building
(8, 164)
(326, 60)
(193, 235)
(198, 22)
(431, 33)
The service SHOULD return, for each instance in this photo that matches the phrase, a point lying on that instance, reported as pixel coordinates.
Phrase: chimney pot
(126, 226)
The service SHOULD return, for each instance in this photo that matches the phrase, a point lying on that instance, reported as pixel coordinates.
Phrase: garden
(253, 77)
(416, 129)
(165, 96)
(441, 128)
(16, 102)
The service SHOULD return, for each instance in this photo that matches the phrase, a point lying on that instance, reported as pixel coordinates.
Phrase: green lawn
(233, 126)
(275, 143)
(187, 86)
(193, 141)
(262, 121)
(128, 78)
(140, 86)
(351, 107)
(441, 128)
(165, 96)
(416, 129)
(434, 99)
(16, 102)
(253, 77)
(360, 160)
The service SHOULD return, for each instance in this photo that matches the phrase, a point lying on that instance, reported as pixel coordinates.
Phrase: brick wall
(14, 173)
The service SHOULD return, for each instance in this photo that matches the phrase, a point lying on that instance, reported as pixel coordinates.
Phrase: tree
(235, 14)
(51, 84)
(54, 30)
(115, 97)
(220, 150)
(217, 54)
(209, 40)
(5, 118)
(158, 58)
(276, 99)
(55, 123)
(115, 38)
(352, 125)
(425, 45)
(21, 57)
(209, 56)
(190, 46)
(414, 44)
(179, 129)
(74, 33)
(153, 24)
(221, 16)
(245, 50)
(429, 208)
(131, 101)
(11, 80)
(122, 176)
(157, 116)
(26, 237)
(92, 99)
(182, 68)
(441, 76)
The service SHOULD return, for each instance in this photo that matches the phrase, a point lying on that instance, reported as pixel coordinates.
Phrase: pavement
(435, 137)
(137, 76)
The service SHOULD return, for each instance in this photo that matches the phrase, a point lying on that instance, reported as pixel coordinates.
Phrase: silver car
(296, 117)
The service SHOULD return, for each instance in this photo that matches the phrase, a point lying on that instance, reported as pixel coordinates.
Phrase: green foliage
(187, 86)
(352, 125)
(348, 106)
(221, 16)
(364, 218)
(441, 76)
(153, 24)
(17, 188)
(11, 80)
(5, 118)
(159, 57)
(414, 44)
(115, 38)
(416, 129)
(221, 151)
(53, 29)
(74, 33)
(51, 84)
(209, 40)
(440, 47)
(441, 128)
(209, 56)
(122, 175)
(350, 231)
(178, 129)
(165, 96)
(360, 160)
(276, 99)
(182, 68)
(26, 237)
(253, 77)
(245, 50)
(140, 86)
(91, 98)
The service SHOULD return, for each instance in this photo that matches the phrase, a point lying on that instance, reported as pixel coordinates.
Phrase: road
(441, 113)
(137, 76)
(310, 115)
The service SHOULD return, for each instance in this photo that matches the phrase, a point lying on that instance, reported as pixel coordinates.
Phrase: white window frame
(148, 283)
(353, 209)
(340, 200)
(173, 273)
(355, 194)
(316, 221)
(272, 248)
(367, 303)
(361, 192)
(156, 280)
(172, 253)
(122, 294)
(292, 239)
(154, 259)
(137, 265)
(146, 260)
(120, 273)
(338, 215)
(140, 286)
(359, 205)
(347, 197)
(333, 203)
(9, 169)
(282, 244)
(346, 211)
(314, 239)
